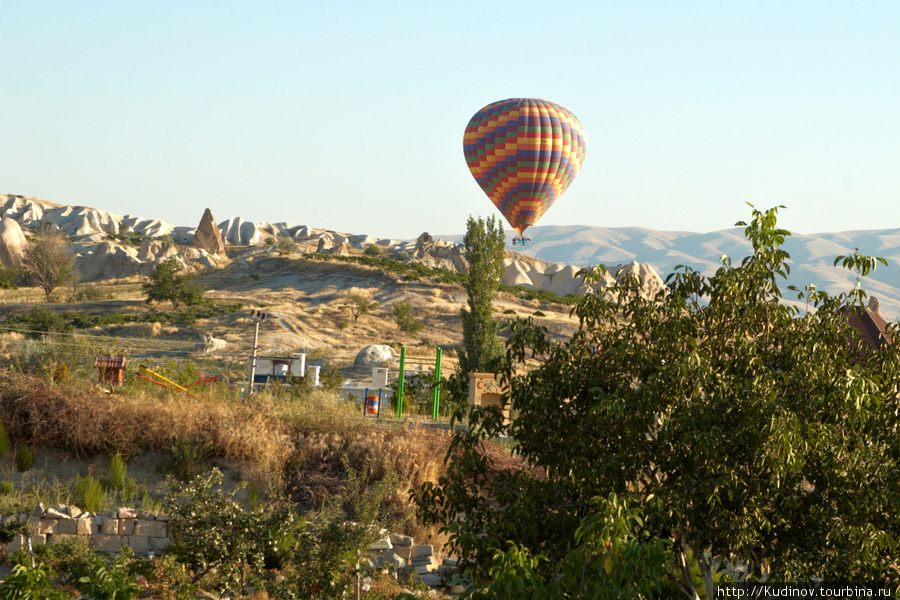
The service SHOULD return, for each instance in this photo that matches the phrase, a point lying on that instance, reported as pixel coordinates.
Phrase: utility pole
(258, 316)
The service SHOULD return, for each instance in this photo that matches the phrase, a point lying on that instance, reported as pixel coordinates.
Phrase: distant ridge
(812, 255)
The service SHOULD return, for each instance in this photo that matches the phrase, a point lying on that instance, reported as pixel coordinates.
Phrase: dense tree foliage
(484, 244)
(168, 284)
(744, 428)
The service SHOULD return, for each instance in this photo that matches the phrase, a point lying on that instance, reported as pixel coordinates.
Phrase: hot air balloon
(524, 153)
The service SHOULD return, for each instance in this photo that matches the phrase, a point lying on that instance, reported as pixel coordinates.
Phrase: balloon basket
(521, 241)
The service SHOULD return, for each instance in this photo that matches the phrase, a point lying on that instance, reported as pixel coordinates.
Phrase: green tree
(48, 261)
(484, 244)
(743, 428)
(167, 284)
(9, 277)
(359, 304)
(406, 322)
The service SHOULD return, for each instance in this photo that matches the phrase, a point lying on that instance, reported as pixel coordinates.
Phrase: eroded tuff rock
(208, 237)
(12, 243)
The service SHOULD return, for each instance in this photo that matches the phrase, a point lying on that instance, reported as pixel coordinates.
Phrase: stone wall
(400, 551)
(108, 530)
(148, 534)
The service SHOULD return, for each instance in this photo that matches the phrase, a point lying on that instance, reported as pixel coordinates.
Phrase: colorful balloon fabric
(524, 153)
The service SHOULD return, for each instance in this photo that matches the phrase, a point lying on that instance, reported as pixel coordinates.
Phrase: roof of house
(869, 324)
(110, 361)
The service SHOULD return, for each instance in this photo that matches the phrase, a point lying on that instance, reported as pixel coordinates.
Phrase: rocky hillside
(115, 246)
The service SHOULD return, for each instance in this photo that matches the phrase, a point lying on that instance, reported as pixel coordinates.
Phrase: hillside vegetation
(295, 448)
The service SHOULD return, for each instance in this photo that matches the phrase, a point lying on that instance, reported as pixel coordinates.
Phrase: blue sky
(350, 115)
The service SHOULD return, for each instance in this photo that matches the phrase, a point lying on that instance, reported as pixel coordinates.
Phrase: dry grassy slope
(304, 299)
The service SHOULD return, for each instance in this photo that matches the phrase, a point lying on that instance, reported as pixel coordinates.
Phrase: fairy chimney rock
(208, 237)
(12, 243)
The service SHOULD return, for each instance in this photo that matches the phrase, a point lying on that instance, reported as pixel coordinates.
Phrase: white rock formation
(106, 260)
(239, 232)
(514, 273)
(12, 243)
(377, 355)
(210, 344)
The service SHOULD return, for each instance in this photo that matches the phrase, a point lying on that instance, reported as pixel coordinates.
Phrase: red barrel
(371, 405)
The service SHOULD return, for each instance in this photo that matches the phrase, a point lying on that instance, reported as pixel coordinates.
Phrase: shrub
(287, 246)
(39, 320)
(186, 456)
(117, 472)
(89, 493)
(30, 583)
(332, 380)
(168, 285)
(10, 277)
(372, 250)
(73, 556)
(109, 582)
(213, 533)
(270, 241)
(406, 322)
(24, 458)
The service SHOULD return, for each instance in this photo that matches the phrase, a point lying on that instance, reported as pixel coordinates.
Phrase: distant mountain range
(812, 256)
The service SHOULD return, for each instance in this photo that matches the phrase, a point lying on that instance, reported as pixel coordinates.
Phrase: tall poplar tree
(484, 242)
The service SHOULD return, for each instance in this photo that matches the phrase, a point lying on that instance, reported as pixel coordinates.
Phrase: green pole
(401, 382)
(436, 403)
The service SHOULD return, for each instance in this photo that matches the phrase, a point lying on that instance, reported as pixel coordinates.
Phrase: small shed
(111, 368)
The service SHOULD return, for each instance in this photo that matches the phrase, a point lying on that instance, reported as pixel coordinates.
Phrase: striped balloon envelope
(524, 153)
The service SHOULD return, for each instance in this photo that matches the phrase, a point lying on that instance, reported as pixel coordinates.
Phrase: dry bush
(86, 423)
(138, 330)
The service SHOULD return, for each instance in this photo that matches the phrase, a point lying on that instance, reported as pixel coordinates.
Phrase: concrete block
(403, 551)
(127, 513)
(381, 545)
(15, 543)
(150, 528)
(421, 551)
(106, 543)
(401, 540)
(86, 527)
(395, 561)
(138, 543)
(38, 539)
(423, 562)
(159, 545)
(67, 527)
(126, 526)
(48, 526)
(109, 526)
(432, 580)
